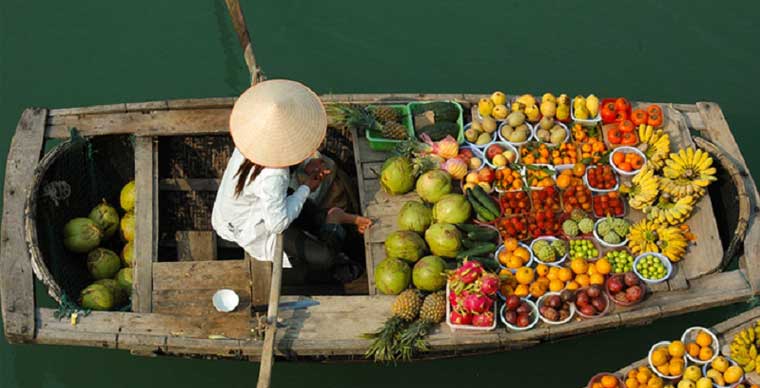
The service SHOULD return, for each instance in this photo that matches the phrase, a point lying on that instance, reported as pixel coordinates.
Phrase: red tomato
(621, 104)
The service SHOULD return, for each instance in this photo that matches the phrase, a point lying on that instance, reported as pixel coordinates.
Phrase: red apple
(631, 279)
(486, 174)
(493, 151)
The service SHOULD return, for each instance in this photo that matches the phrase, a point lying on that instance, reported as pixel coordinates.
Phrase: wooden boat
(176, 151)
(725, 332)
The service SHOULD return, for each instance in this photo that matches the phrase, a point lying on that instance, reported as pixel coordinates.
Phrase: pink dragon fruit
(469, 272)
(483, 320)
(476, 303)
(453, 299)
(489, 284)
(460, 318)
(489, 304)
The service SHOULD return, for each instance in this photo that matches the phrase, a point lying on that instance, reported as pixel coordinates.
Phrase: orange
(583, 280)
(631, 383)
(693, 349)
(632, 374)
(609, 381)
(659, 357)
(542, 270)
(642, 378)
(521, 290)
(733, 374)
(579, 266)
(645, 371)
(513, 262)
(556, 285)
(618, 157)
(655, 382)
(544, 281)
(705, 353)
(522, 253)
(553, 273)
(676, 349)
(510, 244)
(503, 257)
(592, 270)
(524, 275)
(597, 279)
(704, 339)
(565, 274)
(537, 290)
(572, 286)
(625, 166)
(664, 369)
(603, 266)
(675, 369)
(563, 181)
(597, 385)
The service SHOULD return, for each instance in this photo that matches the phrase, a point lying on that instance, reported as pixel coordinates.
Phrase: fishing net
(73, 178)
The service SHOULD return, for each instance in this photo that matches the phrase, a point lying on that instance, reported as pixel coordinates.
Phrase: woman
(277, 125)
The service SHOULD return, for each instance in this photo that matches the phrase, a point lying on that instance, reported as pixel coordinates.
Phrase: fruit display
(509, 178)
(554, 107)
(585, 109)
(515, 129)
(606, 380)
(642, 377)
(667, 358)
(538, 176)
(500, 154)
(577, 223)
(483, 177)
(612, 231)
(601, 177)
(481, 131)
(519, 313)
(591, 301)
(382, 121)
(621, 261)
(651, 116)
(583, 249)
(545, 199)
(549, 250)
(556, 307)
(625, 289)
(485, 207)
(687, 172)
(535, 153)
(515, 202)
(627, 160)
(543, 223)
(655, 144)
(615, 110)
(493, 106)
(471, 296)
(608, 204)
(744, 348)
(649, 236)
(549, 132)
(651, 267)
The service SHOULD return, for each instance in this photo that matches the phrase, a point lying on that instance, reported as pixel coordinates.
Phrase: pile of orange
(627, 161)
(513, 256)
(592, 149)
(643, 378)
(569, 177)
(533, 153)
(701, 348)
(669, 359)
(508, 178)
(545, 278)
(566, 153)
(607, 381)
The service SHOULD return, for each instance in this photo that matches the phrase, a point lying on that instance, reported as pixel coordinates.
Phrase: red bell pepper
(639, 116)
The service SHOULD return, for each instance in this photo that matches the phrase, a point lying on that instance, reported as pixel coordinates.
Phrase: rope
(67, 308)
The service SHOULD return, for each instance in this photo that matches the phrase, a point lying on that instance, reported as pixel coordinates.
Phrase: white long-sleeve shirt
(263, 209)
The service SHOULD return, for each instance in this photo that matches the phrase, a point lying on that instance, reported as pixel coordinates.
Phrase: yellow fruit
(499, 112)
(583, 280)
(513, 262)
(603, 266)
(592, 270)
(526, 99)
(489, 124)
(525, 275)
(733, 374)
(631, 383)
(472, 178)
(521, 290)
(542, 270)
(705, 354)
(572, 286)
(579, 266)
(655, 382)
(643, 370)
(692, 349)
(692, 372)
(704, 339)
(556, 285)
(553, 273)
(499, 98)
(592, 104)
(664, 369)
(704, 382)
(485, 106)
(676, 349)
(642, 378)
(675, 368)
(532, 112)
(538, 289)
(565, 274)
(659, 357)
(597, 279)
(720, 364)
(522, 253)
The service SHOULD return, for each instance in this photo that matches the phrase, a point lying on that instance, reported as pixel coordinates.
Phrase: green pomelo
(397, 176)
(81, 235)
(392, 276)
(433, 185)
(414, 216)
(429, 274)
(452, 209)
(406, 245)
(444, 240)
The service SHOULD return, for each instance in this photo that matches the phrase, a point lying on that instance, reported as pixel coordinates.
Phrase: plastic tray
(410, 118)
(379, 143)
(653, 368)
(663, 259)
(468, 327)
(627, 149)
(691, 334)
(586, 122)
(512, 327)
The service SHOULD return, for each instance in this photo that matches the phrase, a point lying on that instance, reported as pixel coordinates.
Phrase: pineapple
(386, 345)
(385, 114)
(407, 305)
(394, 130)
(433, 307)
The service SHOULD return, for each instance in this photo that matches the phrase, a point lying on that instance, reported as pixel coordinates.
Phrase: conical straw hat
(278, 123)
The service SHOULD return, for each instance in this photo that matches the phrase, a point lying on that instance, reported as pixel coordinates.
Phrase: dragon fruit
(460, 318)
(483, 320)
(489, 304)
(489, 284)
(453, 299)
(456, 167)
(470, 271)
(476, 303)
(446, 148)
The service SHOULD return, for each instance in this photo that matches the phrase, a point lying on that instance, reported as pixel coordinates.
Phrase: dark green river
(72, 53)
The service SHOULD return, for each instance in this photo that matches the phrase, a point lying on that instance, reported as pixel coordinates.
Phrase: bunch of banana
(650, 236)
(744, 348)
(643, 188)
(666, 211)
(687, 172)
(655, 144)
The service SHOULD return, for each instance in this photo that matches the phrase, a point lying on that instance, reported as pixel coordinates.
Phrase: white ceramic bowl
(604, 243)
(706, 366)
(502, 266)
(556, 263)
(668, 267)
(626, 149)
(561, 124)
(690, 335)
(503, 144)
(653, 368)
(225, 300)
(479, 146)
(512, 327)
(540, 302)
(531, 131)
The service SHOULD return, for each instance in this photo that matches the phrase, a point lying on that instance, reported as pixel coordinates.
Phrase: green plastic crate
(378, 143)
(410, 123)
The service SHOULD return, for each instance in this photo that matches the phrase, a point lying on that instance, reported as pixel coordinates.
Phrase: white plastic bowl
(706, 366)
(561, 124)
(477, 153)
(225, 300)
(595, 190)
(586, 122)
(505, 145)
(531, 131)
(606, 244)
(493, 137)
(668, 267)
(626, 149)
(540, 302)
(502, 266)
(653, 368)
(550, 239)
(512, 327)
(691, 334)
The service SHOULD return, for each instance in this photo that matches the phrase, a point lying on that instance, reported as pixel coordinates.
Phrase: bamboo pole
(267, 352)
(238, 22)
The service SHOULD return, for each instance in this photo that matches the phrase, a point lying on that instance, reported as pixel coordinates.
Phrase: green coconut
(128, 254)
(392, 276)
(127, 197)
(96, 297)
(397, 175)
(433, 185)
(81, 235)
(451, 209)
(124, 278)
(128, 226)
(429, 274)
(406, 245)
(414, 216)
(120, 296)
(444, 240)
(106, 217)
(103, 263)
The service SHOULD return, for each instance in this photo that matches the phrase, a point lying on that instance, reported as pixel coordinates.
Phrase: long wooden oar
(238, 22)
(267, 352)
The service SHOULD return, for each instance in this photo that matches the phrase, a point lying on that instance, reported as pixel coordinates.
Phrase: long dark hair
(242, 175)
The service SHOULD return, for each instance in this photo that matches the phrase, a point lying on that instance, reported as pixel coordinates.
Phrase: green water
(64, 53)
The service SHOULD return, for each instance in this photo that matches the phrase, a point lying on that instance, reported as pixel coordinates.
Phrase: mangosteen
(567, 296)
(512, 302)
(588, 310)
(594, 291)
(551, 314)
(631, 279)
(633, 293)
(554, 301)
(615, 285)
(599, 303)
(511, 317)
(582, 299)
(563, 314)
(621, 297)
(523, 320)
(523, 308)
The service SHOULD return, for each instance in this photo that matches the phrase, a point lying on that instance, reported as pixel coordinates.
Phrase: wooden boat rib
(725, 332)
(171, 312)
